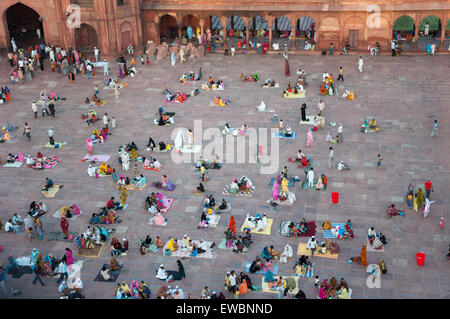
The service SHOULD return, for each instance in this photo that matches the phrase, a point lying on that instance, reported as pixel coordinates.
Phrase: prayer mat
(156, 149)
(180, 253)
(309, 272)
(96, 158)
(50, 162)
(248, 192)
(302, 250)
(152, 223)
(119, 86)
(291, 95)
(226, 210)
(266, 230)
(19, 271)
(59, 236)
(152, 169)
(261, 272)
(217, 222)
(132, 188)
(57, 145)
(279, 203)
(329, 234)
(194, 149)
(91, 253)
(279, 135)
(98, 174)
(310, 229)
(305, 185)
(156, 122)
(277, 85)
(166, 210)
(114, 274)
(222, 245)
(15, 164)
(291, 182)
(52, 192)
(310, 118)
(265, 285)
(58, 215)
(372, 248)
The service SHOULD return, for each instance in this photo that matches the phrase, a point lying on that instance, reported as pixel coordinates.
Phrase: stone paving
(405, 94)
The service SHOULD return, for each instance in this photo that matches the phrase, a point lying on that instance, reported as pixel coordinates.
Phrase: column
(293, 29)
(269, 22)
(443, 28)
(247, 33)
(223, 21)
(202, 27)
(416, 31)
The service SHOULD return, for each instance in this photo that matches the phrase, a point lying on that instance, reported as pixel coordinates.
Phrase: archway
(404, 31)
(447, 35)
(85, 38)
(354, 28)
(191, 21)
(168, 28)
(434, 27)
(235, 27)
(24, 25)
(125, 36)
(329, 32)
(213, 24)
(305, 32)
(281, 31)
(259, 28)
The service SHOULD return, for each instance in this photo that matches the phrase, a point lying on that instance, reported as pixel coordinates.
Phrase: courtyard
(406, 94)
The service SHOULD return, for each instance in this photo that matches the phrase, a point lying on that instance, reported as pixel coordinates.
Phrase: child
(148, 60)
(316, 282)
(96, 89)
(274, 121)
(113, 122)
(12, 78)
(142, 60)
(135, 169)
(379, 163)
(52, 64)
(30, 233)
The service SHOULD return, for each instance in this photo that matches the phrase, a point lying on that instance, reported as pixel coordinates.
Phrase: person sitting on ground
(342, 166)
(49, 184)
(373, 124)
(392, 211)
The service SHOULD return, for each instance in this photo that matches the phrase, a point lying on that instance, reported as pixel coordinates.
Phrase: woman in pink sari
(69, 257)
(90, 145)
(310, 138)
(77, 57)
(275, 192)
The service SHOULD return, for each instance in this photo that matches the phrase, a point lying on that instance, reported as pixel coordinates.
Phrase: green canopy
(404, 23)
(448, 25)
(433, 21)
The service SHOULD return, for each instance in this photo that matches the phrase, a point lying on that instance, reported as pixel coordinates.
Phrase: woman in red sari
(64, 226)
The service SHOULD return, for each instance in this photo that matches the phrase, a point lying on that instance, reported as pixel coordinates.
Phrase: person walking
(428, 188)
(341, 74)
(51, 107)
(50, 136)
(379, 159)
(105, 120)
(62, 270)
(96, 52)
(312, 244)
(105, 68)
(360, 64)
(35, 109)
(27, 131)
(339, 133)
(89, 71)
(321, 107)
(286, 67)
(330, 157)
(43, 107)
(393, 47)
(435, 129)
(37, 272)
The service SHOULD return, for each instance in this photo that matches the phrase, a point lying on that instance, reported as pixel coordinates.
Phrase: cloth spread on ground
(181, 253)
(15, 164)
(302, 250)
(285, 230)
(166, 210)
(52, 192)
(291, 95)
(57, 145)
(19, 271)
(265, 285)
(132, 187)
(96, 158)
(90, 253)
(372, 248)
(248, 192)
(260, 272)
(57, 214)
(114, 275)
(280, 135)
(59, 236)
(329, 233)
(265, 231)
(49, 162)
(310, 122)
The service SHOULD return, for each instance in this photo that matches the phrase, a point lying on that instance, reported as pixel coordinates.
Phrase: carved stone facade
(117, 23)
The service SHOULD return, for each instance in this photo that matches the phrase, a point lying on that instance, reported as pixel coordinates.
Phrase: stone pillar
(416, 31)
(444, 21)
(247, 25)
(269, 20)
(223, 21)
(202, 27)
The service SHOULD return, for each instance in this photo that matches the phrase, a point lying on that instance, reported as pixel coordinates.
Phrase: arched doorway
(168, 28)
(281, 31)
(354, 28)
(259, 30)
(305, 32)
(329, 32)
(86, 38)
(190, 21)
(404, 31)
(125, 36)
(24, 25)
(213, 24)
(430, 31)
(447, 35)
(235, 27)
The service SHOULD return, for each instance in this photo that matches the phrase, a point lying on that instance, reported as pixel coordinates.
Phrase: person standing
(96, 52)
(310, 177)
(360, 64)
(232, 279)
(331, 48)
(105, 68)
(105, 120)
(312, 244)
(341, 74)
(14, 45)
(51, 107)
(435, 129)
(27, 131)
(330, 157)
(321, 107)
(428, 188)
(34, 108)
(286, 67)
(274, 120)
(37, 272)
(379, 159)
(339, 132)
(64, 224)
(89, 71)
(233, 50)
(303, 111)
(427, 28)
(62, 270)
(43, 107)
(393, 47)
(130, 49)
(50, 136)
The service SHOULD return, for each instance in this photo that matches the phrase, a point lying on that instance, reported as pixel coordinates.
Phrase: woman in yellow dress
(103, 168)
(170, 245)
(123, 195)
(284, 186)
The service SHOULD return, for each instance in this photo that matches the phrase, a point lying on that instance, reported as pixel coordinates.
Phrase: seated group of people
(323, 247)
(304, 161)
(302, 265)
(342, 166)
(209, 164)
(392, 211)
(188, 246)
(208, 217)
(155, 202)
(269, 83)
(376, 240)
(250, 77)
(69, 212)
(191, 76)
(90, 117)
(333, 289)
(99, 136)
(211, 85)
(178, 97)
(227, 130)
(221, 101)
(327, 86)
(149, 245)
(162, 147)
(95, 100)
(118, 249)
(340, 233)
(319, 121)
(256, 224)
(369, 126)
(238, 244)
(37, 163)
(93, 237)
(103, 169)
(297, 89)
(6, 136)
(297, 229)
(151, 163)
(104, 216)
(348, 94)
(240, 185)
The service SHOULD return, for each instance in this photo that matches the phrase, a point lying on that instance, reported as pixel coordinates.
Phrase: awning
(283, 24)
(304, 23)
(216, 24)
(404, 23)
(260, 23)
(238, 23)
(448, 25)
(433, 21)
